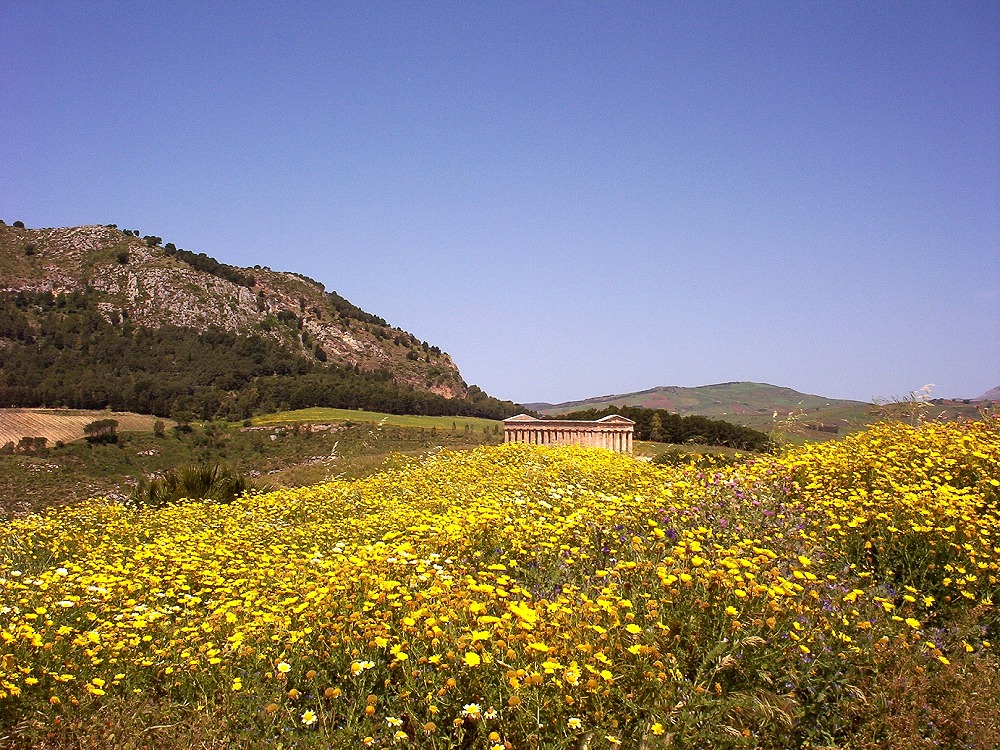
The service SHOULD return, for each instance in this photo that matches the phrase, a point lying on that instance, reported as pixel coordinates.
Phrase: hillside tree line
(59, 350)
(664, 426)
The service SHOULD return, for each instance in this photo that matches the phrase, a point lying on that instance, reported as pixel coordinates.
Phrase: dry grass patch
(65, 425)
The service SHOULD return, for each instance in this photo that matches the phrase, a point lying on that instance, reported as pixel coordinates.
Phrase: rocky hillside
(153, 285)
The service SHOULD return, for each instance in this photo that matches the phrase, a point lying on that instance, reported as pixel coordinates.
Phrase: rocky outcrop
(153, 287)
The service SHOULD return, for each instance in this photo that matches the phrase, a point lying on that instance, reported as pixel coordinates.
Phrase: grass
(282, 454)
(321, 415)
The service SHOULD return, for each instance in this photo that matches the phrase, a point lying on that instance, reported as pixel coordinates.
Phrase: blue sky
(572, 199)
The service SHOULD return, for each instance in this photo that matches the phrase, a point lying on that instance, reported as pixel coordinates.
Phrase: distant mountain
(740, 399)
(96, 316)
(993, 394)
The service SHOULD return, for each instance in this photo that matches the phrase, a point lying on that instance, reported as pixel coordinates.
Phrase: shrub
(31, 444)
(202, 482)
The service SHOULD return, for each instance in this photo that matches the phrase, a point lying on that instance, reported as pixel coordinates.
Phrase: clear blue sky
(573, 199)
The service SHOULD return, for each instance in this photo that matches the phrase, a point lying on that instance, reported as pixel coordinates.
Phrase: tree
(102, 431)
(656, 428)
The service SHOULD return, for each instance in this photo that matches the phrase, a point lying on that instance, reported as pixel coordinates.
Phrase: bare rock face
(153, 287)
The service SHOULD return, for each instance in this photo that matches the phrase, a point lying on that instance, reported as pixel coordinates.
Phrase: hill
(741, 399)
(759, 406)
(95, 317)
(993, 394)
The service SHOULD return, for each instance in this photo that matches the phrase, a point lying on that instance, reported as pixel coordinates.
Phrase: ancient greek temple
(612, 432)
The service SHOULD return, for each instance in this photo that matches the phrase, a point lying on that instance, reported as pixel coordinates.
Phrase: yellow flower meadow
(517, 592)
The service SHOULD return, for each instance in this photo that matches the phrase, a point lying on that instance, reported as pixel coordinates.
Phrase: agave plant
(214, 482)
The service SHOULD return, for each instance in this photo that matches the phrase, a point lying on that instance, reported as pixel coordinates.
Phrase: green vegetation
(321, 414)
(738, 400)
(102, 431)
(288, 309)
(202, 482)
(61, 351)
(286, 454)
(662, 426)
(206, 264)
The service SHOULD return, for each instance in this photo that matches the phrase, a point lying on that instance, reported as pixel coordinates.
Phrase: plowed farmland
(63, 424)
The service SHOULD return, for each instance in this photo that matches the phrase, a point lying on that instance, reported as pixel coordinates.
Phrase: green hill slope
(721, 400)
(756, 405)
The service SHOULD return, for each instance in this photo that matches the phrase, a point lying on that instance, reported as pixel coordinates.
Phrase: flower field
(839, 595)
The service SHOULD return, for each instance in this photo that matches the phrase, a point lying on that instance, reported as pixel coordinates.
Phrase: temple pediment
(615, 419)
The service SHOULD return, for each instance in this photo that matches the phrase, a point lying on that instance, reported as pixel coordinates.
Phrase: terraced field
(64, 424)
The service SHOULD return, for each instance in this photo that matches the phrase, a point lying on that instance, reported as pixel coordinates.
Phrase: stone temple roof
(610, 419)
